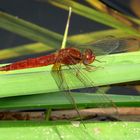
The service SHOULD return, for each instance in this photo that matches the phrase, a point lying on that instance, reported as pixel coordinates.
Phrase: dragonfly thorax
(88, 57)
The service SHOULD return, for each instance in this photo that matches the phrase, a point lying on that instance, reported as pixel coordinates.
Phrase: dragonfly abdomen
(31, 63)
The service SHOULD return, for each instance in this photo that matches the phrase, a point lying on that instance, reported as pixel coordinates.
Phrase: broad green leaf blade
(27, 130)
(112, 69)
(95, 15)
(29, 30)
(58, 100)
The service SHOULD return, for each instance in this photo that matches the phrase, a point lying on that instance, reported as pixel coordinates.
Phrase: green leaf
(112, 69)
(94, 15)
(58, 100)
(27, 130)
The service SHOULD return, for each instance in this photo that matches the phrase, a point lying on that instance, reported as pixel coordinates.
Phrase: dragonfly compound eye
(88, 57)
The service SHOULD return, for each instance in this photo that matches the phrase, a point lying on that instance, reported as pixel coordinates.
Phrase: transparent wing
(111, 44)
(127, 45)
(80, 78)
(75, 78)
(62, 83)
(105, 46)
(102, 100)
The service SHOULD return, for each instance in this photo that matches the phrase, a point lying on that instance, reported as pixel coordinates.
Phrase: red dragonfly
(63, 56)
(70, 57)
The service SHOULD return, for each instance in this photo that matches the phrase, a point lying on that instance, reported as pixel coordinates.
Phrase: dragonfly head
(88, 57)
